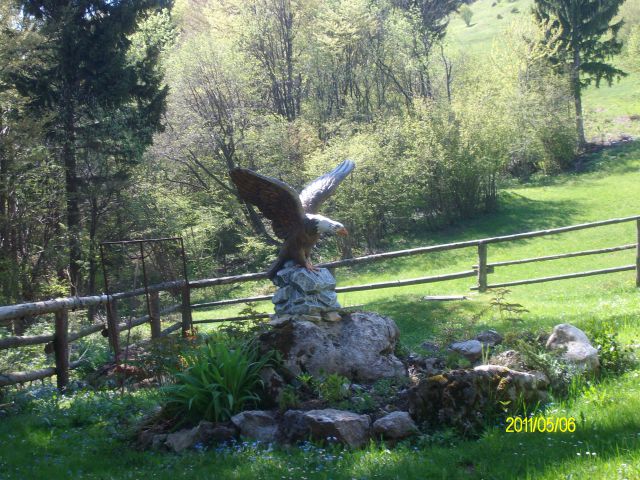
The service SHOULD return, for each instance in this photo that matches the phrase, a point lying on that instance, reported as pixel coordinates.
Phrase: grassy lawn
(87, 435)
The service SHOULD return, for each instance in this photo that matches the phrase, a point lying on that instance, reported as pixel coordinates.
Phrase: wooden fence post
(482, 267)
(154, 314)
(186, 310)
(61, 348)
(113, 319)
(638, 253)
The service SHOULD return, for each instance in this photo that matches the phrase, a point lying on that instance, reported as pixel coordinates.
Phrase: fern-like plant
(218, 381)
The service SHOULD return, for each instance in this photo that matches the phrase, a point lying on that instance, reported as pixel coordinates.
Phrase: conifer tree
(88, 78)
(586, 39)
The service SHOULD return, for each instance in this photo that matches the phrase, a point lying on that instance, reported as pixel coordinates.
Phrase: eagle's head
(327, 226)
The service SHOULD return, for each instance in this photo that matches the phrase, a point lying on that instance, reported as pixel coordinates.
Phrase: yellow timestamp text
(540, 424)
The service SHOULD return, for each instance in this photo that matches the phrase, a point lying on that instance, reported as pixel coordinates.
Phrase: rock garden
(317, 372)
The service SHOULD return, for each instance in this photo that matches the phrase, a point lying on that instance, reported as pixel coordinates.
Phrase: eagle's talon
(310, 267)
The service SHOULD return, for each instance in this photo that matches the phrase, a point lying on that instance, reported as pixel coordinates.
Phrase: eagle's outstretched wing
(323, 187)
(275, 199)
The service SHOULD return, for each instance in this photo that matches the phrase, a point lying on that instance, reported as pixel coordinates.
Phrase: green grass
(87, 436)
(608, 190)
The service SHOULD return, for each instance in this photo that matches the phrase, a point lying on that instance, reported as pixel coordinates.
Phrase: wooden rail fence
(58, 341)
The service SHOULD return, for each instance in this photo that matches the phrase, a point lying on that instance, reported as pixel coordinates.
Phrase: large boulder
(395, 426)
(304, 292)
(576, 347)
(329, 424)
(259, 425)
(360, 346)
(464, 399)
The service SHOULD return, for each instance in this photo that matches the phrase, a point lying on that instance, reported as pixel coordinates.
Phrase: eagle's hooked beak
(342, 232)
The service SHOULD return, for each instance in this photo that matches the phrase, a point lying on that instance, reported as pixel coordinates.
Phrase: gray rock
(273, 384)
(509, 358)
(257, 424)
(303, 292)
(331, 316)
(360, 347)
(576, 346)
(395, 426)
(204, 432)
(469, 349)
(462, 398)
(524, 381)
(282, 295)
(430, 346)
(330, 424)
(158, 441)
(489, 338)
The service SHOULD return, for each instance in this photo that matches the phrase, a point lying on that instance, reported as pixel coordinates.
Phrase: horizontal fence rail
(58, 342)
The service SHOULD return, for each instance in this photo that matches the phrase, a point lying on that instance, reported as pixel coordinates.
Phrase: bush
(614, 357)
(219, 379)
(466, 14)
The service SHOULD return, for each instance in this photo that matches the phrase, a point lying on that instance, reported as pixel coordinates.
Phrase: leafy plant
(334, 387)
(614, 357)
(218, 380)
(288, 398)
(508, 310)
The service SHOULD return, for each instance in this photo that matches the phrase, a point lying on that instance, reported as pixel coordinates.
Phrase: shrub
(334, 388)
(466, 14)
(219, 379)
(614, 357)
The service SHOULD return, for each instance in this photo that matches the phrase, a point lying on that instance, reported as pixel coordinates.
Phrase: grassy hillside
(609, 111)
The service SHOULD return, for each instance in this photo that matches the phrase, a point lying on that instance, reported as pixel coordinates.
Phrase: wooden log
(61, 349)
(73, 303)
(23, 377)
(232, 301)
(554, 231)
(561, 255)
(638, 253)
(113, 319)
(73, 336)
(13, 342)
(403, 283)
(562, 277)
(482, 267)
(233, 319)
(187, 321)
(154, 314)
(352, 288)
(172, 328)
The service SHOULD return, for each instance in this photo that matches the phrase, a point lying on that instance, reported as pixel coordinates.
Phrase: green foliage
(289, 398)
(563, 376)
(466, 14)
(508, 310)
(218, 380)
(615, 358)
(333, 387)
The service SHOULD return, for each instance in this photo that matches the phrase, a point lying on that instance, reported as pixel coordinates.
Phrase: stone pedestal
(304, 292)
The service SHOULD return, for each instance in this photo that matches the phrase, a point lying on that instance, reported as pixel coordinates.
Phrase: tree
(86, 79)
(466, 14)
(585, 40)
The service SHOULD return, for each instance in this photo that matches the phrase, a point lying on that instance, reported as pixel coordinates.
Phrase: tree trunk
(93, 267)
(577, 96)
(71, 188)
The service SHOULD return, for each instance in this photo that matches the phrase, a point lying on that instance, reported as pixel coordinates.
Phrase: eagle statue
(294, 217)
